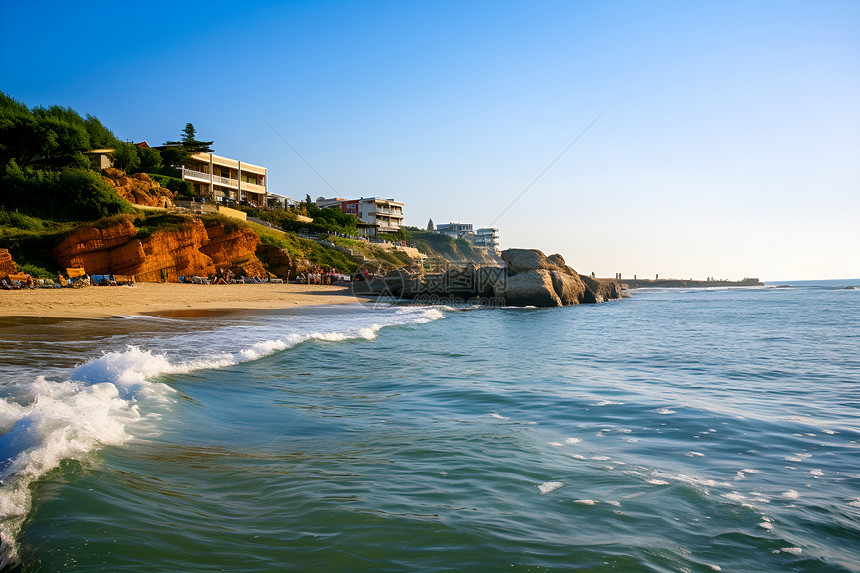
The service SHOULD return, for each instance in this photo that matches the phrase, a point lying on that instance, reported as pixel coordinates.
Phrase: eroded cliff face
(139, 189)
(7, 265)
(194, 249)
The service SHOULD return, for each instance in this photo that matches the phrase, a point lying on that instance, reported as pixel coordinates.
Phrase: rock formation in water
(193, 249)
(139, 189)
(529, 278)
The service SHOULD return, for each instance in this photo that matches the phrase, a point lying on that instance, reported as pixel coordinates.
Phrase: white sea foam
(96, 403)
(817, 473)
(792, 550)
(549, 486)
(499, 416)
(790, 494)
(600, 458)
(585, 501)
(655, 481)
(572, 441)
(666, 411)
(854, 502)
(607, 403)
(555, 444)
(694, 454)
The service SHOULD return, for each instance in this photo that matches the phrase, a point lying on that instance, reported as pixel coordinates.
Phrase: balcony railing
(195, 174)
(225, 181)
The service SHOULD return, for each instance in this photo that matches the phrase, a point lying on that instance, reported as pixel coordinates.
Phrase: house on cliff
(228, 180)
(375, 214)
(487, 237)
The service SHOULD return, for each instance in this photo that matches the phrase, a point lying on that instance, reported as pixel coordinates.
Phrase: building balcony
(208, 177)
(225, 181)
(253, 188)
(195, 175)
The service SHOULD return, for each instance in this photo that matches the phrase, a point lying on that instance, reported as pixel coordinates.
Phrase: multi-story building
(228, 180)
(488, 238)
(456, 230)
(375, 215)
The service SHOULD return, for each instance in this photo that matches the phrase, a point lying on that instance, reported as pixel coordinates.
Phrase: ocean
(675, 430)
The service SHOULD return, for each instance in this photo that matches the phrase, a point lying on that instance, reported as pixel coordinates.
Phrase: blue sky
(729, 146)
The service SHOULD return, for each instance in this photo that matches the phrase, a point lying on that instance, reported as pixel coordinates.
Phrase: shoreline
(149, 298)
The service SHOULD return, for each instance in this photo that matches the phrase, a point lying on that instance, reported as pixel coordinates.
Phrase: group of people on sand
(227, 277)
(318, 276)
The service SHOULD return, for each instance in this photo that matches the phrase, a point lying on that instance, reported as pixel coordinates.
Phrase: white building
(488, 238)
(375, 214)
(456, 230)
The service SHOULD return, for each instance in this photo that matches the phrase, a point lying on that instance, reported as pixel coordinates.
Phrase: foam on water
(48, 420)
(549, 486)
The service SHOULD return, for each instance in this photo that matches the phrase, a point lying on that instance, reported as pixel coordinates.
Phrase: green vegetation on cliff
(50, 185)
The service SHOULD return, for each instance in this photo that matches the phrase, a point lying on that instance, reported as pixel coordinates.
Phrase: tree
(190, 142)
(430, 226)
(100, 136)
(150, 159)
(125, 156)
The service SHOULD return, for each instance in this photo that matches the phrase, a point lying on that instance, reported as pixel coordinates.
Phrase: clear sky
(729, 146)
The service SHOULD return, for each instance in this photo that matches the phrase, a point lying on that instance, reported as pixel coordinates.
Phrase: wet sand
(145, 298)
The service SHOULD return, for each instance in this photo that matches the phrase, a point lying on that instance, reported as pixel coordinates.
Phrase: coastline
(146, 298)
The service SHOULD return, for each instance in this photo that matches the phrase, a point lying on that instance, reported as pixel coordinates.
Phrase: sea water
(675, 430)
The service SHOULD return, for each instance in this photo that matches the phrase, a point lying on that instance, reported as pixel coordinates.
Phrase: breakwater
(684, 283)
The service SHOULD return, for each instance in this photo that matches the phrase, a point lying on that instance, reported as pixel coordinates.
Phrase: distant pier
(685, 283)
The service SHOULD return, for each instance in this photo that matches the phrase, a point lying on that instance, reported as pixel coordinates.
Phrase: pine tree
(189, 141)
(430, 226)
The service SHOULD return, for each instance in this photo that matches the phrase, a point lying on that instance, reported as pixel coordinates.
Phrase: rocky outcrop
(529, 278)
(164, 256)
(537, 280)
(277, 261)
(7, 265)
(139, 189)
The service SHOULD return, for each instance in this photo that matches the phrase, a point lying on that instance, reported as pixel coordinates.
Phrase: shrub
(73, 194)
(183, 189)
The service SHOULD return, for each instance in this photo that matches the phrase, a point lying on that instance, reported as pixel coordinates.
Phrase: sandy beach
(106, 301)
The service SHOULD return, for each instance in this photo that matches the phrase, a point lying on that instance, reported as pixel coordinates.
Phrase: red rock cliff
(7, 265)
(165, 255)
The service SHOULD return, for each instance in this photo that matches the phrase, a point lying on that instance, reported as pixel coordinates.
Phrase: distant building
(375, 215)
(456, 230)
(228, 180)
(488, 238)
